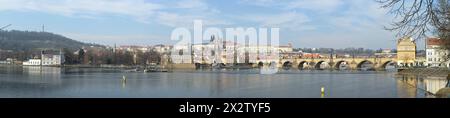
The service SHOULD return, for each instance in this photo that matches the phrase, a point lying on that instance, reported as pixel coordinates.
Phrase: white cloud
(315, 5)
(263, 3)
(345, 14)
(346, 23)
(187, 20)
(190, 10)
(189, 4)
(362, 15)
(108, 39)
(290, 20)
(138, 9)
(172, 14)
(360, 24)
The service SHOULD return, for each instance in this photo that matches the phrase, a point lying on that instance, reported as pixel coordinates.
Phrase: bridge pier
(353, 66)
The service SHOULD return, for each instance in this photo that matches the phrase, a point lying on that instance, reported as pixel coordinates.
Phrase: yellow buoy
(322, 92)
(322, 89)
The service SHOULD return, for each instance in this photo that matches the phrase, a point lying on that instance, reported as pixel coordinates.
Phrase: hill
(32, 41)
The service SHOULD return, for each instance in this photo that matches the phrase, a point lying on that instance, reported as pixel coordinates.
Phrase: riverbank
(440, 72)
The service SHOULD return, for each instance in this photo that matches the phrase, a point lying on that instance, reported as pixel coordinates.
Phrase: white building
(205, 53)
(228, 52)
(47, 60)
(52, 60)
(9, 61)
(134, 48)
(180, 54)
(32, 62)
(162, 48)
(436, 55)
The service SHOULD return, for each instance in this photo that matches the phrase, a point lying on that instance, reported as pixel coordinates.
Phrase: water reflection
(424, 86)
(31, 74)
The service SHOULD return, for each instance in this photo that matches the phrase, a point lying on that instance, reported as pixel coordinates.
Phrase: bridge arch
(319, 65)
(302, 65)
(260, 64)
(287, 65)
(198, 65)
(339, 64)
(386, 63)
(363, 65)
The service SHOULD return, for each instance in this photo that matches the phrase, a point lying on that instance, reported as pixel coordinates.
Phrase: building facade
(47, 59)
(436, 55)
(32, 62)
(52, 60)
(162, 49)
(406, 52)
(228, 52)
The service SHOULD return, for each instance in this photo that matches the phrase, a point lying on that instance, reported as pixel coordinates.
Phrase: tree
(379, 50)
(443, 29)
(124, 57)
(420, 18)
(152, 56)
(69, 57)
(81, 55)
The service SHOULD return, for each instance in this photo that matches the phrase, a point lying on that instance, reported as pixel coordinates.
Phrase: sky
(304, 23)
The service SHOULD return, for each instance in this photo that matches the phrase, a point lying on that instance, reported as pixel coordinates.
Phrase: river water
(52, 82)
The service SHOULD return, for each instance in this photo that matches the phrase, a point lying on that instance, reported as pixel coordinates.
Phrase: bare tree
(420, 18)
(417, 17)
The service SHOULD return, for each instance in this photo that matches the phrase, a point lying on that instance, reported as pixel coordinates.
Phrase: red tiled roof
(435, 41)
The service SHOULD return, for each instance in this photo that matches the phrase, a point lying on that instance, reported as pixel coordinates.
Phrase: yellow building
(406, 52)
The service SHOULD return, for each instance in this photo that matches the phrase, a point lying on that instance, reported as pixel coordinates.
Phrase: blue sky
(305, 23)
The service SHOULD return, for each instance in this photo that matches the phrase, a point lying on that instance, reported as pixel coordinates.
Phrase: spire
(212, 38)
(114, 49)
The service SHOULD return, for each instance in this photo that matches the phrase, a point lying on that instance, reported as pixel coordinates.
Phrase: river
(53, 82)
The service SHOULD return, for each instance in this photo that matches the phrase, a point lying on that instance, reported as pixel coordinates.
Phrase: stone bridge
(330, 63)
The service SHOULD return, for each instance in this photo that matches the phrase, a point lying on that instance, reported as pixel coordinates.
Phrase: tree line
(97, 56)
